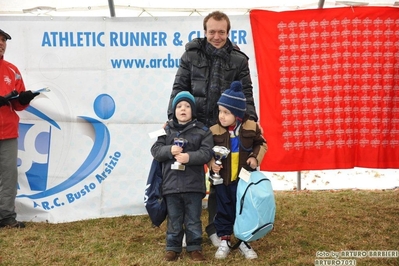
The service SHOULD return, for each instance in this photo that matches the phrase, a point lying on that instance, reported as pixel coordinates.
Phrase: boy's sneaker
(223, 250)
(247, 251)
(215, 240)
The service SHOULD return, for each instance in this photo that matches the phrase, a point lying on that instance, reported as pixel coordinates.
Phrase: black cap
(5, 34)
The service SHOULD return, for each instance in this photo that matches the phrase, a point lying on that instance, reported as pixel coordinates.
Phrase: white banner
(84, 146)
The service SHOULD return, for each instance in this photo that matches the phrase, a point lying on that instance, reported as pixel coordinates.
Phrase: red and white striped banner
(328, 87)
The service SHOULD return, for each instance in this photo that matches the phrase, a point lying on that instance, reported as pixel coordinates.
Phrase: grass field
(307, 224)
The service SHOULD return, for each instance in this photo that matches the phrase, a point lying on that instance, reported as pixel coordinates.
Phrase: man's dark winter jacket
(194, 74)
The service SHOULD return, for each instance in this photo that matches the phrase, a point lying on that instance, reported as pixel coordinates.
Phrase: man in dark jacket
(207, 68)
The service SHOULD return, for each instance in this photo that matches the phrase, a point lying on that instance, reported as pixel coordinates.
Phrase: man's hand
(3, 101)
(26, 96)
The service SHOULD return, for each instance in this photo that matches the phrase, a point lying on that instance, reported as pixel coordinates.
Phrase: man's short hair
(217, 15)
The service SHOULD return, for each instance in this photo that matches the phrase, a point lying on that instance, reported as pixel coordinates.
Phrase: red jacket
(10, 79)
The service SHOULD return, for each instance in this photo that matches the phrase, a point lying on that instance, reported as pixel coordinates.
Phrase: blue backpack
(255, 209)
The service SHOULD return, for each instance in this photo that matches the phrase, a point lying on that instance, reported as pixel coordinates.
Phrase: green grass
(306, 222)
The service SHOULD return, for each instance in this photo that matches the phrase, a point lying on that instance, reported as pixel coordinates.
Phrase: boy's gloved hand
(3, 101)
(26, 96)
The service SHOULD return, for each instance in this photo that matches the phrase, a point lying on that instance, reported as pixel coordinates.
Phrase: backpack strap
(236, 245)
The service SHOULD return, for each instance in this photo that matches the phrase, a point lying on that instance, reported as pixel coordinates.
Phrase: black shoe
(11, 223)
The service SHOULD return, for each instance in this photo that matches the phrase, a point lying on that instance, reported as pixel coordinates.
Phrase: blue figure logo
(37, 174)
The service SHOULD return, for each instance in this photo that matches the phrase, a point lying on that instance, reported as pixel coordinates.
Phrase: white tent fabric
(156, 8)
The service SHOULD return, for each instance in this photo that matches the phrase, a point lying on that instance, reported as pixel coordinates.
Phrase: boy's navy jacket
(153, 200)
(199, 148)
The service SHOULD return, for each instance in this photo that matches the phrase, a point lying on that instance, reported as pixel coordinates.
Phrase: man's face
(3, 45)
(216, 32)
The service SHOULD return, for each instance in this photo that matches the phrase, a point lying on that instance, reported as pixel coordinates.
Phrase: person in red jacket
(13, 97)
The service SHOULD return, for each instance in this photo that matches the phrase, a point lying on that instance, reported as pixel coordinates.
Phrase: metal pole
(298, 181)
(321, 4)
(111, 8)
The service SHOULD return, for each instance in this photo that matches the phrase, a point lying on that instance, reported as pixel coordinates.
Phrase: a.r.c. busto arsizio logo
(37, 171)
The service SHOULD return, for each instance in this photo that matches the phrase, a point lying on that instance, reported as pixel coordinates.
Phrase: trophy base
(179, 167)
(215, 180)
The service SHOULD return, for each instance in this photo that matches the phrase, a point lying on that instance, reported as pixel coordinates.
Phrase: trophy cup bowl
(181, 142)
(219, 153)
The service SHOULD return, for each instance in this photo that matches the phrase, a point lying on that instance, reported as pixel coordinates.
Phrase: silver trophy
(219, 153)
(181, 143)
